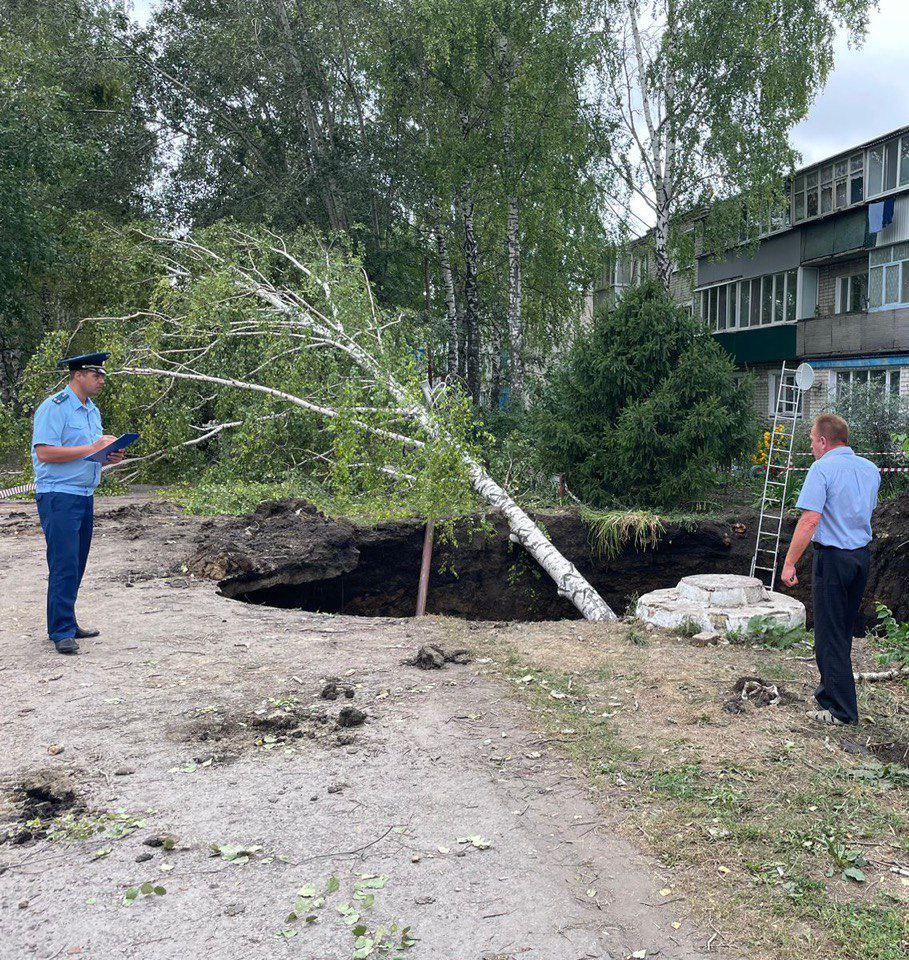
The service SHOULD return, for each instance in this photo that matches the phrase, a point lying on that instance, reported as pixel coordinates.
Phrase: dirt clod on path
(432, 657)
(336, 688)
(757, 692)
(351, 717)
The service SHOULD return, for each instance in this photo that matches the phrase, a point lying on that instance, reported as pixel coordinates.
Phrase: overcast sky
(868, 91)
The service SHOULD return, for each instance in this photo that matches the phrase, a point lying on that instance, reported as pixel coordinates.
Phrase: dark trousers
(839, 581)
(67, 521)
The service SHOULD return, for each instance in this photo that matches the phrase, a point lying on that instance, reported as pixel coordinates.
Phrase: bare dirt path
(158, 720)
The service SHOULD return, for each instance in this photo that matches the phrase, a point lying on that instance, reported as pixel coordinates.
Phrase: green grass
(783, 832)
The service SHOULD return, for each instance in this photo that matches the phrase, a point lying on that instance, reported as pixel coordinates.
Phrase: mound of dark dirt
(432, 657)
(283, 719)
(895, 752)
(283, 544)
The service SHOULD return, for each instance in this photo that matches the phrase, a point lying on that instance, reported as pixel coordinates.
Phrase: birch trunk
(471, 299)
(515, 321)
(568, 580)
(451, 303)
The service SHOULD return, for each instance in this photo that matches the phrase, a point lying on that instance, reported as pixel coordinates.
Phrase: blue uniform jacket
(64, 421)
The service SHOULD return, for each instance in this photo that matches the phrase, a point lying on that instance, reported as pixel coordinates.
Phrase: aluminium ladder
(779, 460)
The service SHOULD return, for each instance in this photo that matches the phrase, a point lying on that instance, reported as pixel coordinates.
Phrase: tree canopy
(645, 409)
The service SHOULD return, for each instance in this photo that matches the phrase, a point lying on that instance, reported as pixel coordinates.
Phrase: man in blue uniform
(837, 499)
(67, 429)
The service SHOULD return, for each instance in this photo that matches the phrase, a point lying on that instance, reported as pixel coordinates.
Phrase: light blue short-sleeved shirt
(842, 488)
(64, 421)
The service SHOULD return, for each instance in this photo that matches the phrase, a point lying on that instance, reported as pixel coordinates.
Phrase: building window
(750, 303)
(755, 317)
(834, 186)
(883, 379)
(773, 393)
(811, 194)
(852, 294)
(888, 165)
(875, 170)
(791, 287)
(857, 179)
(766, 300)
(888, 277)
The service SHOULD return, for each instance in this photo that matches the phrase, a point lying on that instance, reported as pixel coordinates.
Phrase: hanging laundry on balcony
(880, 215)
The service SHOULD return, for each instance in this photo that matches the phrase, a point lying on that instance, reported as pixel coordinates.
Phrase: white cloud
(867, 93)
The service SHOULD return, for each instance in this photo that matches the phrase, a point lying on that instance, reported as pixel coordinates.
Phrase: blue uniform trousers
(67, 521)
(839, 578)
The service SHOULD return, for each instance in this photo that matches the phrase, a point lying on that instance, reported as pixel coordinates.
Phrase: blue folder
(118, 444)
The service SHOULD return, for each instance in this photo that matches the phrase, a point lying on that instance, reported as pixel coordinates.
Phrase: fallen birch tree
(284, 306)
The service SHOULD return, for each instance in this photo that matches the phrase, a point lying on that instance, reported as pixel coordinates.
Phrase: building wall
(880, 332)
(773, 255)
(760, 386)
(681, 286)
(827, 277)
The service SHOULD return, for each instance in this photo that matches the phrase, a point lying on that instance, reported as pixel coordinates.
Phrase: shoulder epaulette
(60, 397)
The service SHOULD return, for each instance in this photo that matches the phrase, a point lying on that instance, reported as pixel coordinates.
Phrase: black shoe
(67, 645)
(83, 634)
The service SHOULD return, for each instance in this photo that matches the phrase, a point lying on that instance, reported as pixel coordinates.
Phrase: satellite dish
(804, 376)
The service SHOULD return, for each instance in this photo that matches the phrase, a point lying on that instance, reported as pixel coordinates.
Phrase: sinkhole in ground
(288, 554)
(475, 585)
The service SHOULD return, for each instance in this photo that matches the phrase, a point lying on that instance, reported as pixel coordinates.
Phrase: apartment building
(827, 282)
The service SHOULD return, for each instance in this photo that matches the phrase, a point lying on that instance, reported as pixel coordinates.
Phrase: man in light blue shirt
(67, 429)
(837, 500)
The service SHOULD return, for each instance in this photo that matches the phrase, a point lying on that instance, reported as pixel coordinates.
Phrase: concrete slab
(719, 602)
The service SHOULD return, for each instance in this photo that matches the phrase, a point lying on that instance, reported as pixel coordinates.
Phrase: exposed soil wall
(287, 554)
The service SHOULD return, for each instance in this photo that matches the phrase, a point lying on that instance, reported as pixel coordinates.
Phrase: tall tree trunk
(350, 80)
(661, 253)
(471, 298)
(451, 303)
(8, 372)
(316, 159)
(515, 320)
(513, 232)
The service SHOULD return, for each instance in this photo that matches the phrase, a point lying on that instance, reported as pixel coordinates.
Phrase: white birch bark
(451, 303)
(873, 676)
(471, 298)
(515, 320)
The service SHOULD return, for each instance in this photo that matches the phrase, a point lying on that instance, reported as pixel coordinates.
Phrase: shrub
(645, 410)
(876, 422)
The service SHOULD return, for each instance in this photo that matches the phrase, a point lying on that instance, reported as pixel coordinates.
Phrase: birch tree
(280, 306)
(502, 147)
(704, 95)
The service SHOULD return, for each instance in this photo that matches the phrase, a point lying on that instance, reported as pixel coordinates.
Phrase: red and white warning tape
(16, 491)
(881, 469)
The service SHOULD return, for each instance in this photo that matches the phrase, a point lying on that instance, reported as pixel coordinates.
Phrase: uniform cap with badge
(85, 361)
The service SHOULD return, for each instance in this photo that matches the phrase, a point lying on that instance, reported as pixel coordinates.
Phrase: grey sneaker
(825, 717)
(67, 645)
